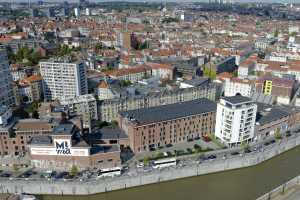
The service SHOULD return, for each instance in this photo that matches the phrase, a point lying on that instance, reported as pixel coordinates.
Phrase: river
(242, 184)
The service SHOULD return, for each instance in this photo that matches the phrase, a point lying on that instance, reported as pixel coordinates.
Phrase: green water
(242, 184)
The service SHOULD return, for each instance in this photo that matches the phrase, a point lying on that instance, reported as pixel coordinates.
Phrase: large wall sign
(62, 147)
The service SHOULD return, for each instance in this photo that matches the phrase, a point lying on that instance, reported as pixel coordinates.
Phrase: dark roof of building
(272, 115)
(41, 140)
(63, 129)
(237, 99)
(169, 112)
(80, 143)
(107, 133)
(32, 125)
(104, 149)
(197, 81)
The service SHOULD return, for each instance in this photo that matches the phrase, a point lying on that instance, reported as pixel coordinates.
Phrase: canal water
(242, 184)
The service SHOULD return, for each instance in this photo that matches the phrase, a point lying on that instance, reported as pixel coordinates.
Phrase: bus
(168, 162)
(110, 172)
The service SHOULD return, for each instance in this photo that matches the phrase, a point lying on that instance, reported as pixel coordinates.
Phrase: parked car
(267, 143)
(272, 141)
(247, 150)
(140, 165)
(5, 175)
(206, 138)
(235, 153)
(61, 175)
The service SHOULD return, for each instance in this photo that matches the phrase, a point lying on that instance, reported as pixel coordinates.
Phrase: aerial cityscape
(166, 100)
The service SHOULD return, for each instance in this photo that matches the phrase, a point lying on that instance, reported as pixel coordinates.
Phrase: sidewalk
(291, 194)
(179, 146)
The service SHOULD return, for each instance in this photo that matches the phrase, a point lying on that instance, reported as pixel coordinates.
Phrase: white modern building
(6, 90)
(235, 120)
(63, 79)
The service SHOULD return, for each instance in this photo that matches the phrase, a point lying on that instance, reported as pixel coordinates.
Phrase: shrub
(74, 170)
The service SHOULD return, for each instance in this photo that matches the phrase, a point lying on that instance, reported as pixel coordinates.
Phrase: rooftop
(237, 99)
(107, 133)
(169, 112)
(32, 124)
(41, 140)
(271, 114)
(63, 129)
(104, 149)
(197, 81)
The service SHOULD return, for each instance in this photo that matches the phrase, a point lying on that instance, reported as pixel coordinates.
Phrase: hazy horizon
(177, 1)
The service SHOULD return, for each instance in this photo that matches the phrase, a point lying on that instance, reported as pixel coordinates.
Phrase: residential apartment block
(235, 120)
(63, 79)
(6, 90)
(154, 127)
(108, 109)
(236, 86)
(84, 106)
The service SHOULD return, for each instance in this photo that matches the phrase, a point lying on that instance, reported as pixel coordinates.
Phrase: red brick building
(150, 128)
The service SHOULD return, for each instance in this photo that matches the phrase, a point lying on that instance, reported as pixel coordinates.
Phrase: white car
(140, 165)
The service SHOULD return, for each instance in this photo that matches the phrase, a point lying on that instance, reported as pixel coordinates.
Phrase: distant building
(235, 86)
(264, 43)
(50, 12)
(124, 39)
(84, 106)
(235, 120)
(30, 89)
(108, 109)
(87, 12)
(76, 12)
(148, 128)
(194, 82)
(63, 79)
(6, 89)
(282, 89)
(66, 11)
(34, 12)
(103, 91)
(5, 115)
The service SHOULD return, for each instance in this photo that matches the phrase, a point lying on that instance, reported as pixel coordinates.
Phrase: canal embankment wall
(77, 187)
(282, 190)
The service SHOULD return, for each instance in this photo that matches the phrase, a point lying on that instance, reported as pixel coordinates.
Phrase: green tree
(16, 167)
(211, 73)
(98, 47)
(74, 170)
(146, 160)
(125, 83)
(276, 33)
(114, 123)
(278, 135)
(102, 124)
(245, 145)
